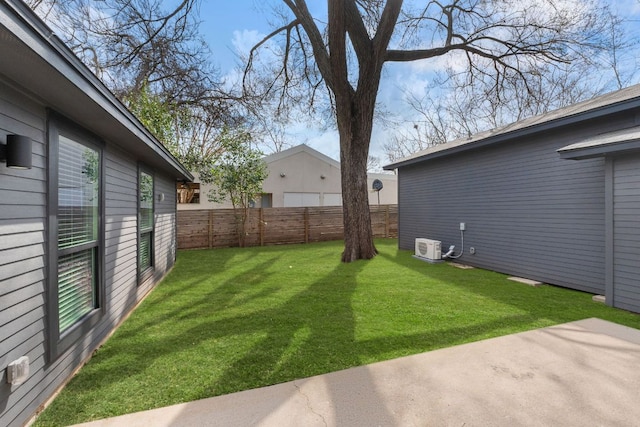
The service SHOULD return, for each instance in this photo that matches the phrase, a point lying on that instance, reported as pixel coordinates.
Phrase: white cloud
(243, 40)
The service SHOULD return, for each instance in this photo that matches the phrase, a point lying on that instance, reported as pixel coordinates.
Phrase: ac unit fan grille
(422, 248)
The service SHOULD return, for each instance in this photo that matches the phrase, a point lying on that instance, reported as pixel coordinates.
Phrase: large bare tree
(346, 46)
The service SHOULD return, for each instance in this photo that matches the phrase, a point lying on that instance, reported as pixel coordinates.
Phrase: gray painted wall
(165, 228)
(527, 212)
(626, 233)
(22, 258)
(22, 255)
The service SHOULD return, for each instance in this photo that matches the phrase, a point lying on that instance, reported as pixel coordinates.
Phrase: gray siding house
(87, 230)
(554, 198)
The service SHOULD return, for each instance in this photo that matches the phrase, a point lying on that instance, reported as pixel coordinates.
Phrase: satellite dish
(377, 185)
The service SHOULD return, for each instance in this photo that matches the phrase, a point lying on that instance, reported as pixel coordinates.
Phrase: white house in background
(298, 177)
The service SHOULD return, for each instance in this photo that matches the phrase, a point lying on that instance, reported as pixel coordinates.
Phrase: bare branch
(287, 29)
(386, 27)
(301, 12)
(357, 31)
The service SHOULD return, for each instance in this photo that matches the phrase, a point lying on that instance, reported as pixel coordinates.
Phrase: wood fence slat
(211, 228)
(306, 225)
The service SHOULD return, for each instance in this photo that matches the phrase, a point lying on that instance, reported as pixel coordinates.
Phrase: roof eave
(582, 153)
(519, 133)
(34, 33)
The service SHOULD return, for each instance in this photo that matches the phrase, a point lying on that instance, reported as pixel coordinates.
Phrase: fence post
(306, 225)
(386, 221)
(211, 228)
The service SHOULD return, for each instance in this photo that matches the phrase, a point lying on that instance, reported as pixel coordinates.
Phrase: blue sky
(239, 24)
(226, 21)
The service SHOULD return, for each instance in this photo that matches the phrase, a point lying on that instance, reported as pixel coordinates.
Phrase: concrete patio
(574, 374)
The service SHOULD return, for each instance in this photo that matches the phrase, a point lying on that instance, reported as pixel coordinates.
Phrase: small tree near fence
(238, 176)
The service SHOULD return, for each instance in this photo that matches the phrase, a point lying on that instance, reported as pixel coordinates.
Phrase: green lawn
(227, 320)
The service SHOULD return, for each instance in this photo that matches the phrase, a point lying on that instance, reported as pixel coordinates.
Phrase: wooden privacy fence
(216, 228)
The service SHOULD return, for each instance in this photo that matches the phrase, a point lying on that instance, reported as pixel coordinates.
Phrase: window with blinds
(76, 287)
(78, 221)
(145, 221)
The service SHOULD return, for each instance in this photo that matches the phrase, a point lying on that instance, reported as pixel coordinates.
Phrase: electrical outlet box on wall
(18, 371)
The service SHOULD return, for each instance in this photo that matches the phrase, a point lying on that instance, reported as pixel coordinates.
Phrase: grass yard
(226, 320)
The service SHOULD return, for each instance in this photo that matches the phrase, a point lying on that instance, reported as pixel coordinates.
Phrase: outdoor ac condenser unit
(429, 249)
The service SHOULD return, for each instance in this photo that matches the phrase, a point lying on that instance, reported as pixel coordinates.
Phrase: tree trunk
(241, 215)
(355, 125)
(354, 108)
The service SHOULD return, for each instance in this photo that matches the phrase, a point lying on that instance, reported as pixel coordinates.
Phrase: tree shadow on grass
(123, 361)
(309, 334)
(312, 332)
(198, 290)
(211, 336)
(540, 306)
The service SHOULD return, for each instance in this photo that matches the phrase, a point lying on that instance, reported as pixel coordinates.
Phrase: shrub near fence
(216, 228)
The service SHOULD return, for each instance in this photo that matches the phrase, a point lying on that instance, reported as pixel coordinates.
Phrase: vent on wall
(428, 249)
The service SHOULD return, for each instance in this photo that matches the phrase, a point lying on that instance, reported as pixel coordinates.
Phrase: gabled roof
(600, 106)
(35, 59)
(302, 148)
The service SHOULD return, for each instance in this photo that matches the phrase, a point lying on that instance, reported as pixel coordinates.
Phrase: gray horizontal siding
(164, 228)
(527, 212)
(23, 252)
(22, 246)
(626, 233)
(121, 234)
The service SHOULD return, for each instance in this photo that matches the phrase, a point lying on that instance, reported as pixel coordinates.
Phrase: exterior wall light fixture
(282, 174)
(322, 177)
(16, 152)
